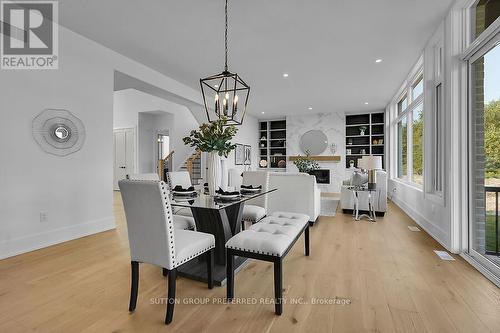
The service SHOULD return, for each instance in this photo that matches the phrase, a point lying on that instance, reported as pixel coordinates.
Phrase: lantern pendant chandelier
(225, 92)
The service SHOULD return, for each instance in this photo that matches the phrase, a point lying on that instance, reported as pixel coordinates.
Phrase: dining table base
(196, 269)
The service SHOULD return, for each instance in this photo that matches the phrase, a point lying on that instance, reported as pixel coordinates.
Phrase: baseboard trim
(14, 247)
(435, 232)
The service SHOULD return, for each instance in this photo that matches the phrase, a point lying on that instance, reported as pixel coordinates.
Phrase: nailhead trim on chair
(194, 255)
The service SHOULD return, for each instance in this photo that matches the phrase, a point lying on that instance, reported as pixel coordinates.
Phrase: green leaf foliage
(214, 136)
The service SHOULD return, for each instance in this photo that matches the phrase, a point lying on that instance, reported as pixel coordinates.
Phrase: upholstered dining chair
(181, 221)
(154, 240)
(180, 178)
(143, 176)
(255, 209)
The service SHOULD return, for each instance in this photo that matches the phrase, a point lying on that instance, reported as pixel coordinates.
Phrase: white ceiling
(328, 47)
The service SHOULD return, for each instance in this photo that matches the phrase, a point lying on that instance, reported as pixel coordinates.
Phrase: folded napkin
(222, 192)
(179, 188)
(251, 187)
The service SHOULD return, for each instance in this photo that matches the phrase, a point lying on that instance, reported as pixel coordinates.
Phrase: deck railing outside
(492, 232)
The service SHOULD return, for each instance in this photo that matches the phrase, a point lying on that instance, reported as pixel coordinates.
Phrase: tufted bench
(268, 240)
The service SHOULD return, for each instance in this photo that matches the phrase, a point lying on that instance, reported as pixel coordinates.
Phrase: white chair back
(181, 178)
(257, 178)
(234, 178)
(143, 176)
(149, 222)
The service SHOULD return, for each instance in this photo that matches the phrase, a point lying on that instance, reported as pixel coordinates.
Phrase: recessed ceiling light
(310, 108)
(285, 74)
(378, 60)
(262, 112)
(216, 85)
(366, 103)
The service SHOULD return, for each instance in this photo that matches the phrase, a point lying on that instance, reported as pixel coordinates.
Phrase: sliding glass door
(484, 168)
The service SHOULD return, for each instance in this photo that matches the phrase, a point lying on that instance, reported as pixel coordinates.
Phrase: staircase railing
(167, 161)
(190, 161)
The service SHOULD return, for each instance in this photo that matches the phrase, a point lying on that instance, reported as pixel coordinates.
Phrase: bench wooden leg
(306, 235)
(210, 268)
(172, 275)
(278, 286)
(230, 275)
(134, 285)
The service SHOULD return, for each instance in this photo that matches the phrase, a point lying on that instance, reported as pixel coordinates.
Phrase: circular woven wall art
(58, 132)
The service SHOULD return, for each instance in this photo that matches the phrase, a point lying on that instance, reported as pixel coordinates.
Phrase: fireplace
(322, 175)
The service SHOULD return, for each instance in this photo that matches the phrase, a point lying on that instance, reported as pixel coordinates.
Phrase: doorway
(484, 155)
(124, 143)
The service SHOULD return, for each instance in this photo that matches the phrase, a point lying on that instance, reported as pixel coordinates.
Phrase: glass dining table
(221, 218)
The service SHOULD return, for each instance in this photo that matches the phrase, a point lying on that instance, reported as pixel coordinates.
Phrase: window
(417, 144)
(410, 131)
(403, 104)
(417, 89)
(485, 13)
(403, 149)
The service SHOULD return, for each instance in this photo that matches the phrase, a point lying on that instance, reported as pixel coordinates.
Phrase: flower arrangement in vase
(213, 138)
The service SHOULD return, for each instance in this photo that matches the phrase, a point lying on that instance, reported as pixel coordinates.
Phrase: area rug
(329, 206)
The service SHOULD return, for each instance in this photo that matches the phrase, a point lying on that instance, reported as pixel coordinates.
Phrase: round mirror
(313, 142)
(61, 133)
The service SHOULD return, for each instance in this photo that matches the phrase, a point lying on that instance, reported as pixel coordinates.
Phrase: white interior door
(123, 154)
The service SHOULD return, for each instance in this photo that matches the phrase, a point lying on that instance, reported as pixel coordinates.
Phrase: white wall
(248, 134)
(129, 102)
(150, 125)
(333, 125)
(74, 191)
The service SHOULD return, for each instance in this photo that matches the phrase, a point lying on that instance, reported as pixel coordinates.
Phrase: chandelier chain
(225, 37)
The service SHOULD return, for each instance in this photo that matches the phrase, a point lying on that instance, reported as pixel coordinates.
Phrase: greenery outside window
(410, 132)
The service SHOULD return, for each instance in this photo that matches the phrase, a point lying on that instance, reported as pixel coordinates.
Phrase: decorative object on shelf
(263, 138)
(314, 141)
(305, 163)
(262, 145)
(213, 138)
(223, 89)
(239, 154)
(351, 164)
(349, 142)
(362, 130)
(363, 151)
(281, 164)
(348, 151)
(381, 141)
(248, 155)
(333, 148)
(375, 142)
(263, 163)
(371, 164)
(58, 132)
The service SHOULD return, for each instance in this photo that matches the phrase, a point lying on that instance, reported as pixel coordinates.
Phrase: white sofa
(297, 193)
(379, 198)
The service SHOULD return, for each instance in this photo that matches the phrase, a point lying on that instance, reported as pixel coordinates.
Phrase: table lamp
(371, 164)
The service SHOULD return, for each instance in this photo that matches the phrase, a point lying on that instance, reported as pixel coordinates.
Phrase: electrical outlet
(43, 217)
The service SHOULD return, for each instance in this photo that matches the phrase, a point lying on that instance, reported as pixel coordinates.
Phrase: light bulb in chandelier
(225, 106)
(217, 106)
(235, 104)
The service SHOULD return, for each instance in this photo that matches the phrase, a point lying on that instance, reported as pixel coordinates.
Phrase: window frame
(406, 92)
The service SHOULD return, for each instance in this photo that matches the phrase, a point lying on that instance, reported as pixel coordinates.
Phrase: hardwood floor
(393, 280)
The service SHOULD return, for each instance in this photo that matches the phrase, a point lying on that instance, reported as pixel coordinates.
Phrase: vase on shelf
(213, 172)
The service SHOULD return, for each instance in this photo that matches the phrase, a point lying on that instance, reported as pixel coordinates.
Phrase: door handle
(122, 167)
